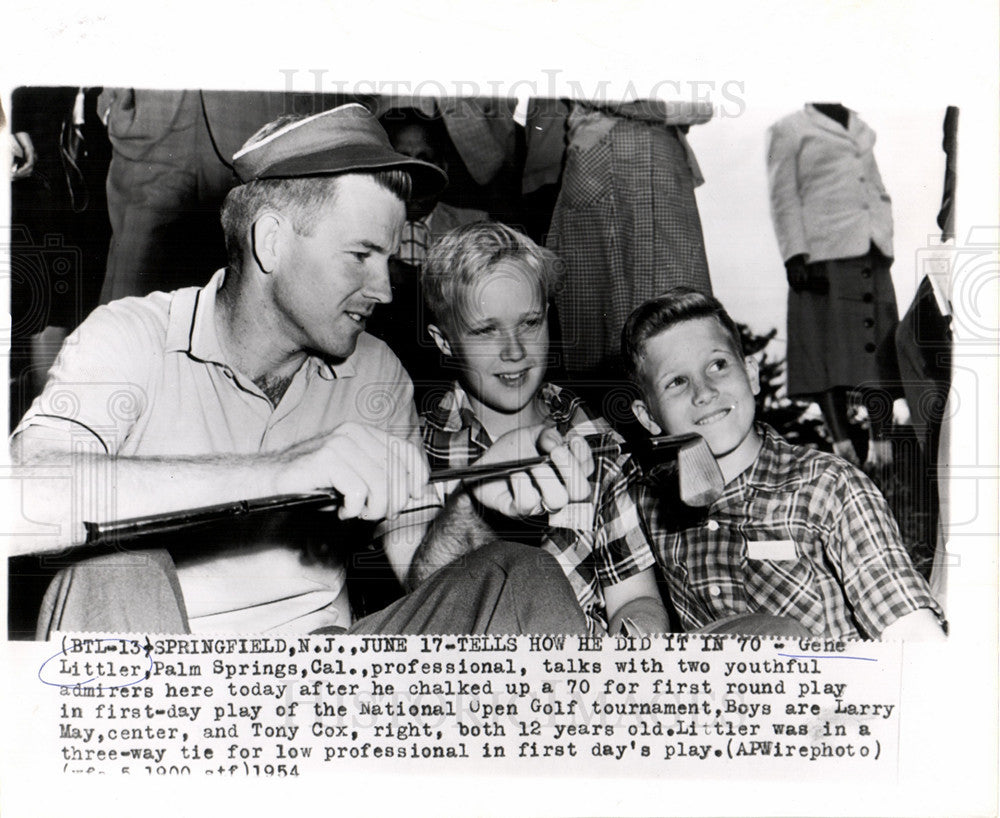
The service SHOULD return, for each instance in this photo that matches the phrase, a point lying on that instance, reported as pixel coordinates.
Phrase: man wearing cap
(264, 382)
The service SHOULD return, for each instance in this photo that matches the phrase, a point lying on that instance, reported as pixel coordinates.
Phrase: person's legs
(127, 592)
(759, 625)
(502, 588)
(834, 405)
(164, 218)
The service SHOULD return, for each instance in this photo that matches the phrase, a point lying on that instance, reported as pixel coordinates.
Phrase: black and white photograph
(422, 334)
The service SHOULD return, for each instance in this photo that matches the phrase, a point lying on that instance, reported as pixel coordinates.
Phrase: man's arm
(64, 483)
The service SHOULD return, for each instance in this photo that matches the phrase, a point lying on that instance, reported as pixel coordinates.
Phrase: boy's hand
(544, 488)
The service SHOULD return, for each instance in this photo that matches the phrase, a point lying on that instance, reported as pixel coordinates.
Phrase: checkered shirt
(416, 238)
(577, 536)
(850, 576)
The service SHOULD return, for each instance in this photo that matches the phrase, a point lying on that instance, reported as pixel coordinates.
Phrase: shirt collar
(191, 325)
(191, 329)
(774, 467)
(823, 121)
(454, 411)
(423, 221)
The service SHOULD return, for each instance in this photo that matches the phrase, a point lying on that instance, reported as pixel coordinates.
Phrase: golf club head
(687, 461)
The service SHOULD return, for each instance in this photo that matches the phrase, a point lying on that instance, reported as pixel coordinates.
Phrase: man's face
(503, 345)
(693, 381)
(414, 141)
(327, 283)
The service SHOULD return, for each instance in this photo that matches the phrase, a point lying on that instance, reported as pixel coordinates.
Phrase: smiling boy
(487, 287)
(797, 533)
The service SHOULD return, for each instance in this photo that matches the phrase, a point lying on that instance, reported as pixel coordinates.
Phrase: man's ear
(752, 368)
(643, 415)
(265, 240)
(440, 339)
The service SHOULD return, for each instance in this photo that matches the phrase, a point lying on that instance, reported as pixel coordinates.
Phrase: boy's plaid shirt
(578, 535)
(850, 575)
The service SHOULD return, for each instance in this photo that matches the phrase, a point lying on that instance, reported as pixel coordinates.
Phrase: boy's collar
(772, 468)
(454, 411)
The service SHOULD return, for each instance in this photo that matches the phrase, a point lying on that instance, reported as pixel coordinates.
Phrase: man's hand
(544, 488)
(795, 272)
(376, 472)
(23, 150)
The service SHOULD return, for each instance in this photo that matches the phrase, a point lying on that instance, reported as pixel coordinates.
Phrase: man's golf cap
(342, 140)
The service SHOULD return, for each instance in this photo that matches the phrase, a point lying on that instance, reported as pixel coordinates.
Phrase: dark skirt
(844, 337)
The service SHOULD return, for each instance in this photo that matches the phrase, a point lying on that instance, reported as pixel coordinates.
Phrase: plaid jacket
(801, 534)
(578, 535)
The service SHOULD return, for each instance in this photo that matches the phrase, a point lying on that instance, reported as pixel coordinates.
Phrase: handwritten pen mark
(812, 656)
(63, 652)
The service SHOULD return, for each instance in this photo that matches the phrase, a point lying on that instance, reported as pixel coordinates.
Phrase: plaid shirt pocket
(786, 588)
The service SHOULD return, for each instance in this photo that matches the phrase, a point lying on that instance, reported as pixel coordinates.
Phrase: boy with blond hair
(487, 288)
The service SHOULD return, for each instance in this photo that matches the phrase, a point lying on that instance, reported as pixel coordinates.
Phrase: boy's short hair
(665, 311)
(464, 255)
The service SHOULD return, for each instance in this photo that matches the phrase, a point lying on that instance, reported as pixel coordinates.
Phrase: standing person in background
(401, 323)
(626, 223)
(60, 231)
(169, 174)
(833, 221)
(420, 137)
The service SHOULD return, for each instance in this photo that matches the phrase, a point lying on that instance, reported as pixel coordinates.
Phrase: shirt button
(868, 298)
(869, 347)
(869, 323)
(864, 206)
(866, 272)
(712, 525)
(715, 590)
(861, 178)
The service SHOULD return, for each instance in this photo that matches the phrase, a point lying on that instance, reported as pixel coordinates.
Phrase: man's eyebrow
(370, 245)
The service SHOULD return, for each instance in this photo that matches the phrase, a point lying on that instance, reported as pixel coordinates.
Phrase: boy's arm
(921, 625)
(625, 558)
(888, 597)
(460, 528)
(636, 599)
